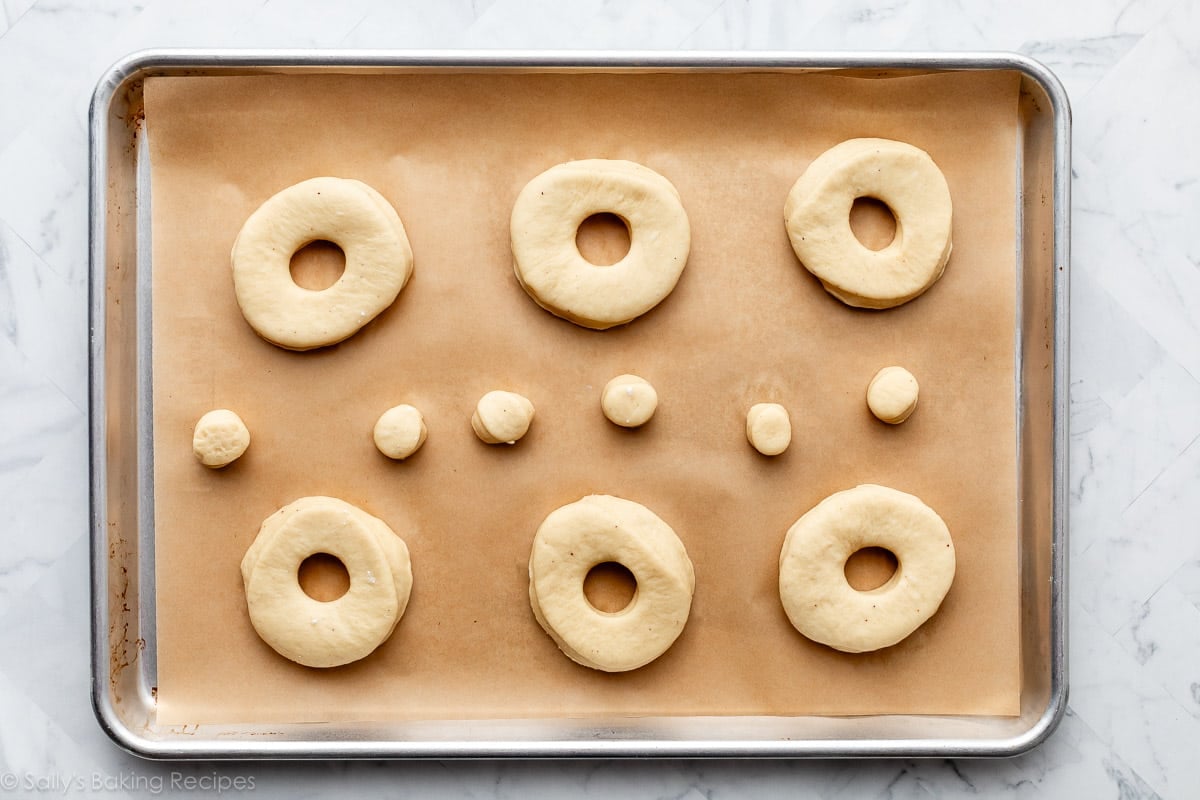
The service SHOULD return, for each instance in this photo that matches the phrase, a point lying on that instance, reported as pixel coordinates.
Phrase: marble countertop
(1132, 70)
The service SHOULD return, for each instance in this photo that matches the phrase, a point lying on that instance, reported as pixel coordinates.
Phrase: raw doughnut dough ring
(817, 217)
(819, 601)
(547, 214)
(348, 213)
(312, 632)
(595, 530)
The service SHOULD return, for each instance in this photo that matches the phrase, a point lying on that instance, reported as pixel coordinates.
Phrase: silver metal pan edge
(122, 647)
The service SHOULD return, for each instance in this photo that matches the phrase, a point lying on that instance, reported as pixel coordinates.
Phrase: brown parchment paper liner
(746, 324)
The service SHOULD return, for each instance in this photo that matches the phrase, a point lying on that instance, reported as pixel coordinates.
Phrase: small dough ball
(400, 432)
(220, 438)
(502, 417)
(768, 428)
(892, 395)
(629, 401)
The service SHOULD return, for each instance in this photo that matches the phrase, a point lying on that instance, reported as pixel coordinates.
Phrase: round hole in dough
(317, 265)
(323, 577)
(629, 401)
(768, 428)
(220, 438)
(897, 174)
(870, 567)
(599, 529)
(813, 587)
(545, 222)
(502, 417)
(609, 587)
(400, 431)
(873, 223)
(603, 239)
(348, 213)
(892, 395)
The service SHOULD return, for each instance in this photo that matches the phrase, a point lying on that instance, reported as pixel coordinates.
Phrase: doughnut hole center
(323, 577)
(870, 568)
(318, 265)
(609, 587)
(873, 223)
(603, 239)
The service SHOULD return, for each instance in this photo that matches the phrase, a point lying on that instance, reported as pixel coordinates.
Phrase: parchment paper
(746, 324)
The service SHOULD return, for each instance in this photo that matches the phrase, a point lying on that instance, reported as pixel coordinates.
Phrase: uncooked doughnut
(312, 632)
(768, 428)
(502, 417)
(220, 438)
(596, 530)
(547, 214)
(892, 395)
(629, 401)
(817, 217)
(348, 213)
(400, 432)
(819, 601)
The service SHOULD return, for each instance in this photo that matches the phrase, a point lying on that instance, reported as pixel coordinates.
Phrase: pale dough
(220, 438)
(595, 530)
(768, 428)
(312, 632)
(819, 601)
(348, 213)
(629, 401)
(400, 432)
(892, 395)
(502, 417)
(817, 217)
(547, 215)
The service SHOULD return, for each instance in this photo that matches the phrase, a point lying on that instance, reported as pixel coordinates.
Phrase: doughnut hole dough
(629, 401)
(308, 631)
(768, 428)
(400, 432)
(220, 438)
(502, 417)
(547, 215)
(819, 601)
(598, 529)
(892, 395)
(817, 218)
(348, 213)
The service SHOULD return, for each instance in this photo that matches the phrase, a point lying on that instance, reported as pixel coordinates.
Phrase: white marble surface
(1133, 72)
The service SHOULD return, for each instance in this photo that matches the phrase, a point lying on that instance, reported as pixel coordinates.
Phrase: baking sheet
(746, 324)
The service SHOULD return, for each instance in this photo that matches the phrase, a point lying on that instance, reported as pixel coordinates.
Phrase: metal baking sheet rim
(117, 675)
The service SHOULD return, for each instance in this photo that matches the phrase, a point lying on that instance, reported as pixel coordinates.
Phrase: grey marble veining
(1133, 72)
